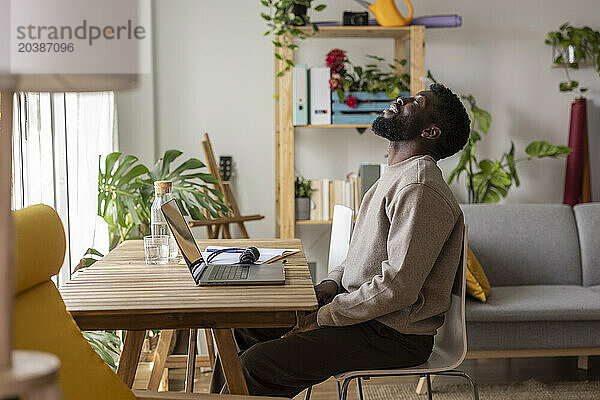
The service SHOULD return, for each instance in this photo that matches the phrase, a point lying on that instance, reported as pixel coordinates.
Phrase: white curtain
(56, 144)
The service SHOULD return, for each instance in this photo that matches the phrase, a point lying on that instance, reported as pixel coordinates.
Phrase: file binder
(300, 78)
(320, 96)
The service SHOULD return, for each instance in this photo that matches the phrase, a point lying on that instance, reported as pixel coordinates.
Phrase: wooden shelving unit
(313, 222)
(284, 128)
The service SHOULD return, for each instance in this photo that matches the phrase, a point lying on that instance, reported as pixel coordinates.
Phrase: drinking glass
(156, 248)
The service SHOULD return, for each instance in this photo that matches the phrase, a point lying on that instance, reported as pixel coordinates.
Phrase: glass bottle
(158, 224)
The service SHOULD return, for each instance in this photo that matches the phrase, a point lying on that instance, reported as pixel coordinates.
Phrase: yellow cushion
(40, 244)
(42, 323)
(477, 283)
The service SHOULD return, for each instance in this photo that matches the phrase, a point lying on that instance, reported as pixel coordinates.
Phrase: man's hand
(304, 324)
(326, 291)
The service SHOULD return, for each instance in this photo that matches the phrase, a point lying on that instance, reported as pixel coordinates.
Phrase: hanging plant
(283, 19)
(573, 46)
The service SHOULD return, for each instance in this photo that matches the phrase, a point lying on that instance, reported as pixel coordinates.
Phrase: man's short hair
(450, 115)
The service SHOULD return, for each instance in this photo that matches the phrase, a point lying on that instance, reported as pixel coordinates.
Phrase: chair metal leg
(344, 392)
(359, 388)
(429, 391)
(308, 391)
(337, 389)
(467, 377)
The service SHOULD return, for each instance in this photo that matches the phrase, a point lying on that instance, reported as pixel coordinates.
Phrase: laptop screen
(182, 232)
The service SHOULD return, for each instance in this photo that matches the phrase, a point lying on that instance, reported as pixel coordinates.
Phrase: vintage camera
(356, 18)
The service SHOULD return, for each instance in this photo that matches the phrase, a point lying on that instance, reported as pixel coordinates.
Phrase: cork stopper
(162, 187)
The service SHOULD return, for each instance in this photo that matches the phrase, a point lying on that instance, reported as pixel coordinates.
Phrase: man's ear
(433, 132)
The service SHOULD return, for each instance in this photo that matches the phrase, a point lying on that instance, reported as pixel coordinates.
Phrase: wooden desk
(122, 292)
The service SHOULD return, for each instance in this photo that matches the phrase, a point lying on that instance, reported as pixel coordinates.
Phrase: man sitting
(381, 307)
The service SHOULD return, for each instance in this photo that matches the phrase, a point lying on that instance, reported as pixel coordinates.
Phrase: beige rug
(529, 390)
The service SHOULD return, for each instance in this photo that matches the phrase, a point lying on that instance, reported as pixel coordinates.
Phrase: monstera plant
(126, 189)
(489, 180)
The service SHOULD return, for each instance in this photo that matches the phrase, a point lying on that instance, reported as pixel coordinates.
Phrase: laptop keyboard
(228, 272)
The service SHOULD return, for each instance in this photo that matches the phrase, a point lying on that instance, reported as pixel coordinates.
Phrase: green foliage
(302, 187)
(488, 181)
(583, 43)
(107, 344)
(372, 78)
(126, 189)
(282, 24)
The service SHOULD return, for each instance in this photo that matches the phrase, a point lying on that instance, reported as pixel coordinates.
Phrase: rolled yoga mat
(577, 184)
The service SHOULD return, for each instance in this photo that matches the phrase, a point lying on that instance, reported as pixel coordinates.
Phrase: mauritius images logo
(87, 32)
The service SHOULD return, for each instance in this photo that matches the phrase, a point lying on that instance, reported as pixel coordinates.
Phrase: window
(57, 140)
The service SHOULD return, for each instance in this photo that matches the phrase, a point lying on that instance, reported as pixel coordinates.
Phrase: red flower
(351, 101)
(335, 60)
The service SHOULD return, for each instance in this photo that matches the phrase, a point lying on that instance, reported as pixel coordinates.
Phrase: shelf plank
(312, 222)
(335, 126)
(358, 31)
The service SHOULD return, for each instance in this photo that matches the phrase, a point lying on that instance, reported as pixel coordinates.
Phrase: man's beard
(396, 128)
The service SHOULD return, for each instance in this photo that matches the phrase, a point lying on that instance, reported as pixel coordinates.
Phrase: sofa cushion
(532, 335)
(587, 217)
(595, 288)
(536, 303)
(525, 244)
(477, 283)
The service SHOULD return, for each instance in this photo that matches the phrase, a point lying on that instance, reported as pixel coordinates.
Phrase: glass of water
(156, 248)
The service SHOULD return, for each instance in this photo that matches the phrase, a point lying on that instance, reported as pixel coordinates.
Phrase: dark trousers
(284, 367)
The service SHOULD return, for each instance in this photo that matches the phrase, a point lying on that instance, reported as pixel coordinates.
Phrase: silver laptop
(217, 274)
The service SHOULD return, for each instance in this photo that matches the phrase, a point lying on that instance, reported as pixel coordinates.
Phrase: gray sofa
(543, 263)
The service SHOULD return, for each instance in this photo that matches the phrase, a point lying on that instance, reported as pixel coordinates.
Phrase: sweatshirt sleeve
(336, 275)
(420, 223)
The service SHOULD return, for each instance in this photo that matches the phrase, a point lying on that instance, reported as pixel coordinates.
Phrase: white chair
(449, 349)
(341, 229)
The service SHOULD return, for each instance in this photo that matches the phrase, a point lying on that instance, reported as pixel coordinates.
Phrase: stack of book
(347, 192)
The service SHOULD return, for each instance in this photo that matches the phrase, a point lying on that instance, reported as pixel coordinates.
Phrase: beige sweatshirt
(403, 255)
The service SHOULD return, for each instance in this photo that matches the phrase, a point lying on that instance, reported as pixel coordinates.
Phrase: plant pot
(299, 10)
(302, 208)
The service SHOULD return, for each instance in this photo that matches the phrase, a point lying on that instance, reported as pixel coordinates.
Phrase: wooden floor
(483, 371)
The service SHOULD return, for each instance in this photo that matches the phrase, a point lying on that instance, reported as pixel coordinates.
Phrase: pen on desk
(227, 251)
(284, 255)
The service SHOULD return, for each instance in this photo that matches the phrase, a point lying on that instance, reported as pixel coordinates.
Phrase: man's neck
(401, 151)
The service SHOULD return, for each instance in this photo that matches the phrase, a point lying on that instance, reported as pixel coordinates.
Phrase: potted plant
(489, 180)
(126, 189)
(359, 93)
(303, 192)
(283, 18)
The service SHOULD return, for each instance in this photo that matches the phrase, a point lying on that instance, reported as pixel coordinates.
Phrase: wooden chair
(214, 225)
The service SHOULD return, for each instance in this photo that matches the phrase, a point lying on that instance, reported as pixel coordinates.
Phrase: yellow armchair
(41, 320)
(43, 323)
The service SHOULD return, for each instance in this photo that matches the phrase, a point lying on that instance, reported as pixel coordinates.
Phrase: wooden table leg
(232, 368)
(160, 358)
(211, 348)
(190, 367)
(130, 356)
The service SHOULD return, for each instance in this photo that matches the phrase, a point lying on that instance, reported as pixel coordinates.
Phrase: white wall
(213, 72)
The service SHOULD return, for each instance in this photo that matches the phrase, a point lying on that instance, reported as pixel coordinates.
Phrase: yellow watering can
(387, 13)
